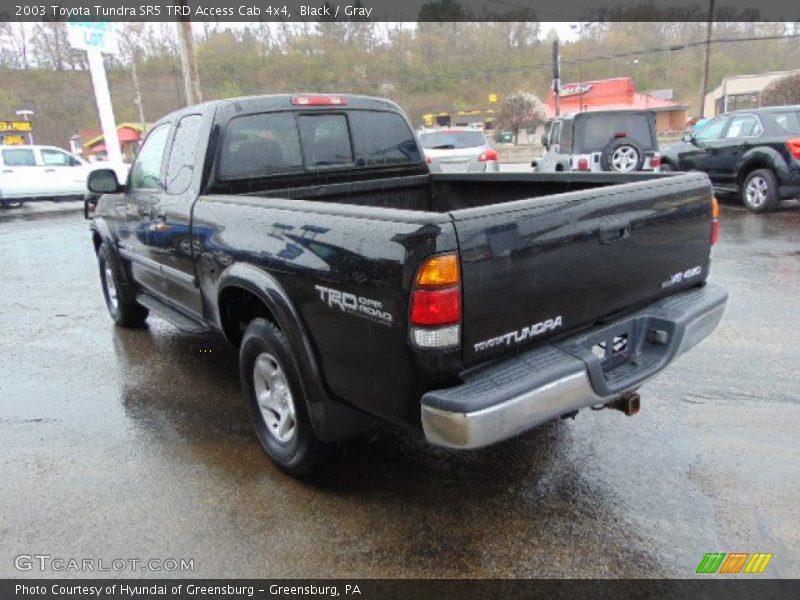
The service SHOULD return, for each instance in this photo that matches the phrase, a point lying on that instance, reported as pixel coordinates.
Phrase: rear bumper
(508, 397)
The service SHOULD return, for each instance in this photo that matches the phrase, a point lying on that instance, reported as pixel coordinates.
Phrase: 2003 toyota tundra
(357, 285)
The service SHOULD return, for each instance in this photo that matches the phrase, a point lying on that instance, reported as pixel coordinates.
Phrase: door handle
(49, 170)
(7, 171)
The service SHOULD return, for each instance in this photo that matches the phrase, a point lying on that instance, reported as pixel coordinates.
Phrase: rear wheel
(120, 300)
(760, 191)
(274, 396)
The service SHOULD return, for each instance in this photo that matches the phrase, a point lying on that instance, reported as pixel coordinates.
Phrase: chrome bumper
(508, 397)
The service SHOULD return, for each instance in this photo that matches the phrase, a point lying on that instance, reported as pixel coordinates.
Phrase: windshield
(594, 132)
(449, 140)
(789, 121)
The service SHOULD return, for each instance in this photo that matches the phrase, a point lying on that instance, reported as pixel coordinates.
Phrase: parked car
(621, 141)
(359, 286)
(44, 172)
(458, 150)
(754, 154)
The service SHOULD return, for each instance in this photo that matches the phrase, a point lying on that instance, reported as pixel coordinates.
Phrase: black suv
(754, 153)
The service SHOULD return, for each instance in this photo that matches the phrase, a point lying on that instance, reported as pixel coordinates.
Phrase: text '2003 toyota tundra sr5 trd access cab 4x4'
(357, 285)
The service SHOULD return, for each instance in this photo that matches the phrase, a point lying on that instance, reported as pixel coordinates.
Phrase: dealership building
(739, 92)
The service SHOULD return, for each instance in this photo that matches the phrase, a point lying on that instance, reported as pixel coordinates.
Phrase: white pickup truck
(45, 172)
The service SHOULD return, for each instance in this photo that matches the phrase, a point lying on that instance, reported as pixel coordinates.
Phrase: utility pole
(709, 30)
(191, 78)
(138, 97)
(556, 76)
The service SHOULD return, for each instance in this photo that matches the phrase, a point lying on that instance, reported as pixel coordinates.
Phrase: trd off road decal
(519, 336)
(356, 305)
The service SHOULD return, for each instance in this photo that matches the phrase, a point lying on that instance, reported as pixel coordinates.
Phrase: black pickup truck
(357, 285)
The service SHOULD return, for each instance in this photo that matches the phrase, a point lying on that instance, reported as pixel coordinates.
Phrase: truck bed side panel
(348, 276)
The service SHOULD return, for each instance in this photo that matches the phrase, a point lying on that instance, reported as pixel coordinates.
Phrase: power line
(528, 66)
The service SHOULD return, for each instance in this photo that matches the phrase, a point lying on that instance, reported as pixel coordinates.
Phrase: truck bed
(570, 250)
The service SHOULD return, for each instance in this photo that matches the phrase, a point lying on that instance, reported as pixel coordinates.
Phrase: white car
(48, 172)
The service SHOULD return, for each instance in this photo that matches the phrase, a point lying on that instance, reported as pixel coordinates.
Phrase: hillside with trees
(425, 66)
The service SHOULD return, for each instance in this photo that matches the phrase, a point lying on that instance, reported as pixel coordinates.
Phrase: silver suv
(458, 150)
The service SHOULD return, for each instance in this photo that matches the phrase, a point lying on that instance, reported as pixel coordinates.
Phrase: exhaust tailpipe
(629, 403)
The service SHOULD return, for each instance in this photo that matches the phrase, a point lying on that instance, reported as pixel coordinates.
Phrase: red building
(614, 94)
(130, 137)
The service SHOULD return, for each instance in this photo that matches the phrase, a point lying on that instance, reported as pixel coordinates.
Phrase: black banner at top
(394, 11)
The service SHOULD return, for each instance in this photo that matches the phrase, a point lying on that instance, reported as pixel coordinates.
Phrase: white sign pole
(97, 38)
(104, 107)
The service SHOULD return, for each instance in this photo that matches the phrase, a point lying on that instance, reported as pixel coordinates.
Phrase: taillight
(583, 164)
(436, 307)
(319, 100)
(794, 147)
(436, 311)
(655, 161)
(490, 154)
(429, 160)
(714, 221)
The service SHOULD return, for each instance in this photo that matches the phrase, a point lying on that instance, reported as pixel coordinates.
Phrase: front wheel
(760, 191)
(121, 304)
(275, 399)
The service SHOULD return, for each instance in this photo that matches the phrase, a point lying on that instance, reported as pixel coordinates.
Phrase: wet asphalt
(136, 444)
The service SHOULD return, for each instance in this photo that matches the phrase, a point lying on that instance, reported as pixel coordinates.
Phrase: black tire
(760, 191)
(119, 296)
(623, 145)
(264, 343)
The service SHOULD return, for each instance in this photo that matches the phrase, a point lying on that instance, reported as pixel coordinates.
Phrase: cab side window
(146, 171)
(711, 130)
(57, 158)
(555, 133)
(185, 146)
(743, 126)
(21, 157)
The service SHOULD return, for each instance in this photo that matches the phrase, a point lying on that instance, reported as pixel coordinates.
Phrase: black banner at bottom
(387, 589)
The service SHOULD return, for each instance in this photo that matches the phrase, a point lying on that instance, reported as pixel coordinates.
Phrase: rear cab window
(286, 142)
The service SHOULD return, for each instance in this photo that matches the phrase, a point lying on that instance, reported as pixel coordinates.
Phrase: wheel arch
(760, 158)
(331, 419)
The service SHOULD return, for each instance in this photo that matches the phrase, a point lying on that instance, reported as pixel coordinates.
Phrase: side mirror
(688, 138)
(544, 141)
(103, 181)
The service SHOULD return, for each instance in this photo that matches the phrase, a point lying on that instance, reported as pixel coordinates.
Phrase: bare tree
(783, 91)
(520, 110)
(14, 38)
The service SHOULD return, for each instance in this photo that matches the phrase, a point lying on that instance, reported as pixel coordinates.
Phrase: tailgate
(538, 268)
